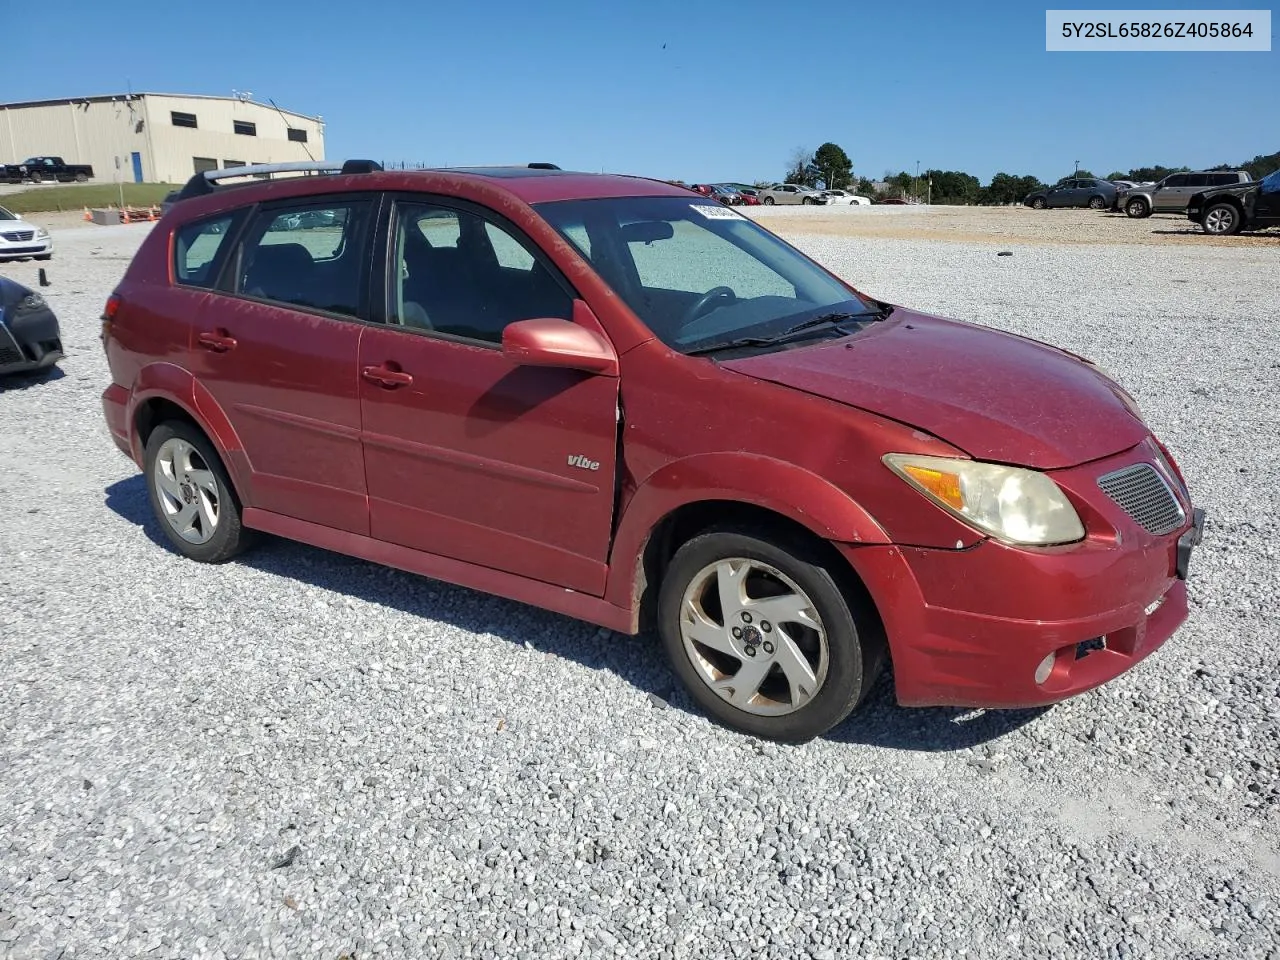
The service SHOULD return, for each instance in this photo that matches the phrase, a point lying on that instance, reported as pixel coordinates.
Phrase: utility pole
(915, 184)
(1077, 173)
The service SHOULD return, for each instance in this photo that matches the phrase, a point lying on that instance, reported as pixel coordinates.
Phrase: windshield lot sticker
(714, 212)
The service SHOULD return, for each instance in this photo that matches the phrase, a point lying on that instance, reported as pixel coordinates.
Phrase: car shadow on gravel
(639, 661)
(25, 381)
(880, 722)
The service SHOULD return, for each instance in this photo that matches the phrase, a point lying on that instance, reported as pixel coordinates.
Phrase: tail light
(108, 317)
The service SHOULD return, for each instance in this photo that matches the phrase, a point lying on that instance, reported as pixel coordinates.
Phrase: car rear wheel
(1097, 203)
(1038, 203)
(82, 178)
(1137, 208)
(763, 637)
(191, 494)
(1221, 219)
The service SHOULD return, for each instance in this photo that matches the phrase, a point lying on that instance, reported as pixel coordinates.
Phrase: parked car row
(1221, 201)
(41, 169)
(799, 193)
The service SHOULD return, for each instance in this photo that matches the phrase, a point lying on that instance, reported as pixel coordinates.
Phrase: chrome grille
(19, 236)
(1144, 495)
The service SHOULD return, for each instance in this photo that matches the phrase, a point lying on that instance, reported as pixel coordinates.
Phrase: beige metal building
(157, 137)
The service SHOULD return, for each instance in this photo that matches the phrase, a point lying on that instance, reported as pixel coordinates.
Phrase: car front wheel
(191, 494)
(1221, 219)
(1137, 209)
(763, 637)
(1038, 203)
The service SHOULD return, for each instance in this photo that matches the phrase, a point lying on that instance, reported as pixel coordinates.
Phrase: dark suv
(1244, 206)
(619, 400)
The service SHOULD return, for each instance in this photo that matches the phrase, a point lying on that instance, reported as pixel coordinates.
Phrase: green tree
(834, 166)
(950, 187)
(1262, 165)
(1008, 188)
(1153, 173)
(866, 188)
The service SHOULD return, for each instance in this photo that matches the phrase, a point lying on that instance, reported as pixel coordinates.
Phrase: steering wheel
(715, 293)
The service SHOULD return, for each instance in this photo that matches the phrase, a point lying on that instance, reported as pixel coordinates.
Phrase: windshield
(1271, 182)
(697, 273)
(6, 215)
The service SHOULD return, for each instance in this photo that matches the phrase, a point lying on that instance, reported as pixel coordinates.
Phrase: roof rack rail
(202, 183)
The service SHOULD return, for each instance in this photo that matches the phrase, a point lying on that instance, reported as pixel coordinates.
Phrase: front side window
(307, 256)
(1177, 180)
(462, 275)
(699, 274)
(196, 247)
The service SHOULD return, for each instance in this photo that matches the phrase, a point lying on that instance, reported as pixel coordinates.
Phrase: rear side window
(1222, 179)
(308, 256)
(1198, 180)
(197, 248)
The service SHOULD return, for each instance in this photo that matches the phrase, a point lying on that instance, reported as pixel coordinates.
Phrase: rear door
(276, 347)
(468, 455)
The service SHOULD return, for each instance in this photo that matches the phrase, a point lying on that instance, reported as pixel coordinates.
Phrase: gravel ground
(299, 754)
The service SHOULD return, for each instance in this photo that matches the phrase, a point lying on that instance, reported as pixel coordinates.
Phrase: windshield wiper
(831, 319)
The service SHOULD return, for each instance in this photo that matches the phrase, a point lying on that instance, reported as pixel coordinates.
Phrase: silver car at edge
(1171, 194)
(791, 193)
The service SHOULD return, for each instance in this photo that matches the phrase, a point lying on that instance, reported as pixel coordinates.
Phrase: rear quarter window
(199, 248)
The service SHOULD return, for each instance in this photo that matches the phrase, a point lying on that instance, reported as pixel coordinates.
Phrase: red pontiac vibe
(612, 398)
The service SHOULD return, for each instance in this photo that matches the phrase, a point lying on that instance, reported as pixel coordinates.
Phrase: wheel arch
(164, 391)
(667, 510)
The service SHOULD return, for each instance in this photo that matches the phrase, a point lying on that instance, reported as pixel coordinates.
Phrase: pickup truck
(40, 169)
(1244, 206)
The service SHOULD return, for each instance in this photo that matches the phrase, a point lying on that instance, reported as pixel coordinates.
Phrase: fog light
(1046, 667)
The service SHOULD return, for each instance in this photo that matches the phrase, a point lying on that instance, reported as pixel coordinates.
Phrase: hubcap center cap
(751, 636)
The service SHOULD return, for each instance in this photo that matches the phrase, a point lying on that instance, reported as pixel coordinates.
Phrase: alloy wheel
(1220, 220)
(187, 490)
(754, 637)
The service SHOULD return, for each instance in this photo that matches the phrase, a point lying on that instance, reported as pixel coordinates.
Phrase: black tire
(768, 201)
(82, 178)
(229, 536)
(805, 201)
(1097, 203)
(1038, 203)
(1137, 208)
(855, 645)
(44, 256)
(1221, 220)
(37, 177)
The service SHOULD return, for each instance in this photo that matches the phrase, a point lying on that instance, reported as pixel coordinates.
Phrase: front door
(276, 347)
(467, 455)
(137, 167)
(1171, 193)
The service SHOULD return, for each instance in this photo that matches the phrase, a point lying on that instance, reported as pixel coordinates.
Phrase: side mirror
(549, 342)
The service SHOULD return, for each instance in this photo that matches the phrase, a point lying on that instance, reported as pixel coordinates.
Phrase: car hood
(7, 226)
(995, 395)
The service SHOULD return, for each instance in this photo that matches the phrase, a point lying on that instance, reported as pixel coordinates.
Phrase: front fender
(783, 488)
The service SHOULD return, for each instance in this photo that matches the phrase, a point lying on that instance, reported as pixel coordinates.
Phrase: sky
(689, 90)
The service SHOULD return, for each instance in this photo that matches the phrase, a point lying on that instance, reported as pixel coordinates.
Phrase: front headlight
(42, 234)
(1011, 504)
(32, 301)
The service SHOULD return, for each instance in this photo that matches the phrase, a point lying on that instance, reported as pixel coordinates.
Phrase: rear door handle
(218, 341)
(387, 377)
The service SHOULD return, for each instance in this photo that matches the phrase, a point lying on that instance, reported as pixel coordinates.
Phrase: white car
(20, 240)
(791, 193)
(843, 196)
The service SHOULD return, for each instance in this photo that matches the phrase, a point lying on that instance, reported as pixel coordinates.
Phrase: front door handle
(387, 377)
(219, 341)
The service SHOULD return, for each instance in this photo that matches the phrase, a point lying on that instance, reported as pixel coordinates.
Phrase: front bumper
(975, 627)
(22, 250)
(29, 341)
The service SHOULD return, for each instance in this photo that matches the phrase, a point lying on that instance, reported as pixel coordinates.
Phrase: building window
(204, 163)
(245, 128)
(297, 136)
(183, 119)
(232, 163)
